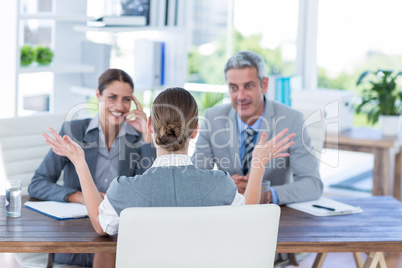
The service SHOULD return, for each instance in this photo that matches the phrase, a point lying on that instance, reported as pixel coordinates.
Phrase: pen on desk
(327, 208)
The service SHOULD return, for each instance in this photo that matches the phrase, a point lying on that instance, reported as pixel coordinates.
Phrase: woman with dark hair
(172, 180)
(115, 142)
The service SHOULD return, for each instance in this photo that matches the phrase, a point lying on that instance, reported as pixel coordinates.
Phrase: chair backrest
(314, 121)
(22, 146)
(182, 237)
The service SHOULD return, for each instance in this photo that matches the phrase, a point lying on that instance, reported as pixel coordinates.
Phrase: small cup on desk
(265, 192)
(13, 198)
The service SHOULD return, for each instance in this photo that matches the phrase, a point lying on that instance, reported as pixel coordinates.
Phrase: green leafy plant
(210, 99)
(27, 55)
(43, 55)
(381, 95)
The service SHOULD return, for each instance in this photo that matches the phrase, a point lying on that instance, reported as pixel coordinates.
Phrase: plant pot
(390, 124)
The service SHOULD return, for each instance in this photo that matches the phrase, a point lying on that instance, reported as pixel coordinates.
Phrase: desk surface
(35, 232)
(377, 229)
(363, 136)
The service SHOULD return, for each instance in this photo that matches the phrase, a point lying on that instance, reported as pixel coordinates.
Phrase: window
(268, 28)
(355, 36)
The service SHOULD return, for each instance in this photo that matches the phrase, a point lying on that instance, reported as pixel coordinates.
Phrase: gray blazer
(181, 186)
(218, 143)
(135, 157)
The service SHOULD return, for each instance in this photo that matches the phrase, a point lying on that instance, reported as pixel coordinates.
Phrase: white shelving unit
(68, 29)
(173, 31)
(139, 29)
(61, 18)
(65, 69)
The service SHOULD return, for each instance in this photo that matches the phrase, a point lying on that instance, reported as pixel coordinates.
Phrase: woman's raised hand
(265, 151)
(138, 120)
(65, 146)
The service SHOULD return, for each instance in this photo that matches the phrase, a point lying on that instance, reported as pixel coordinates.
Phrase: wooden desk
(377, 229)
(35, 232)
(387, 156)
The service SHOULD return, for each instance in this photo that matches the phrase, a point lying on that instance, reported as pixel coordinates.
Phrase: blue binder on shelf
(149, 64)
(282, 90)
(162, 71)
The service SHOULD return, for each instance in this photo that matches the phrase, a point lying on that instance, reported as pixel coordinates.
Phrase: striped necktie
(249, 149)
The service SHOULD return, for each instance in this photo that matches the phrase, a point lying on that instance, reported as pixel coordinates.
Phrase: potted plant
(43, 55)
(210, 99)
(381, 100)
(27, 55)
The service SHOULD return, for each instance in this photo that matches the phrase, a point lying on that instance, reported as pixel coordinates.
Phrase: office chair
(22, 146)
(314, 121)
(182, 237)
(22, 149)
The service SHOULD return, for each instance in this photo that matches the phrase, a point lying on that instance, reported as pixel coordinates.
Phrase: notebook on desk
(59, 210)
(325, 207)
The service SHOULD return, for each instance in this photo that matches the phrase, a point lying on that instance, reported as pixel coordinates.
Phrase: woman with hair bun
(172, 180)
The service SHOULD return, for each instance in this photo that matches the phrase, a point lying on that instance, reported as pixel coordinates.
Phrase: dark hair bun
(174, 117)
(173, 128)
(171, 136)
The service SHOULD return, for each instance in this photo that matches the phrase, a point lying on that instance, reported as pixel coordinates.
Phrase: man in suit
(223, 138)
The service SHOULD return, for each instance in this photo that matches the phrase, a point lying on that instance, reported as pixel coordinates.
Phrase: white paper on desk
(59, 210)
(340, 208)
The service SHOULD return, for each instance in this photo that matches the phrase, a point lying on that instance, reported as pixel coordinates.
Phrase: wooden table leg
(319, 260)
(358, 259)
(292, 259)
(373, 259)
(384, 170)
(50, 259)
(398, 177)
(382, 261)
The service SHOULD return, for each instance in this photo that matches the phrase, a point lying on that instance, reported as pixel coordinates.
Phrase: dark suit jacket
(134, 158)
